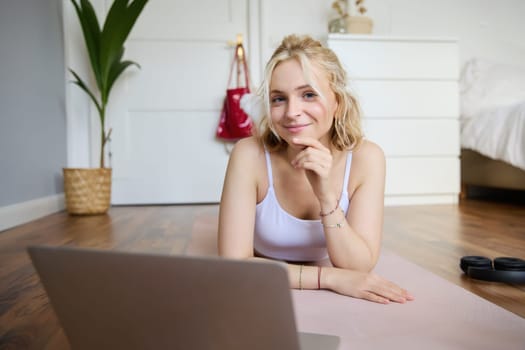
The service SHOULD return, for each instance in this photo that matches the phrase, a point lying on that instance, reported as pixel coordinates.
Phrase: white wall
(490, 29)
(32, 116)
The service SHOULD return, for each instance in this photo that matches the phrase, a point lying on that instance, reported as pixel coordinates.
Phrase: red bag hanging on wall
(234, 123)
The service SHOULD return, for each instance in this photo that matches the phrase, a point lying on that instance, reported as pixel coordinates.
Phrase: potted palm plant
(88, 190)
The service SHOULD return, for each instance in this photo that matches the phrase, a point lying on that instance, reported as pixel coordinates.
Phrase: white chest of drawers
(408, 90)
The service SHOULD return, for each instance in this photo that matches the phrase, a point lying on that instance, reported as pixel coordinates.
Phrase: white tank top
(281, 236)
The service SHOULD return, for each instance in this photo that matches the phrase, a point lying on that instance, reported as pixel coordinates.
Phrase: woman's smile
(296, 128)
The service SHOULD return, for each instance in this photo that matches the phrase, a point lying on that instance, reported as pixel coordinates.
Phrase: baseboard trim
(21, 213)
(424, 199)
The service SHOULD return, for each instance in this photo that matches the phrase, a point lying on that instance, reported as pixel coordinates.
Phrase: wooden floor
(434, 237)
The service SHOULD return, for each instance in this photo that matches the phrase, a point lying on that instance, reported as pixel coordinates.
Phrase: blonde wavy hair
(346, 132)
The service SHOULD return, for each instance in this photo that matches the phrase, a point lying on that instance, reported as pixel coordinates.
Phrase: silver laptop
(118, 300)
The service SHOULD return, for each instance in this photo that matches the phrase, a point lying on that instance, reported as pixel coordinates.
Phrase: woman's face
(296, 110)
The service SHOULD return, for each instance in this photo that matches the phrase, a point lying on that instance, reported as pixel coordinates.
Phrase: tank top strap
(347, 171)
(269, 167)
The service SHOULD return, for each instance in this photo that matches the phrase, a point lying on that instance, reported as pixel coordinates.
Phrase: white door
(164, 116)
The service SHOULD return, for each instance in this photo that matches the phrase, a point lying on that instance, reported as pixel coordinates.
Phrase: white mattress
(493, 110)
(498, 133)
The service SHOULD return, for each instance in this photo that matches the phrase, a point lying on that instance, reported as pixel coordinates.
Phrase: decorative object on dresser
(88, 190)
(409, 97)
(358, 22)
(338, 24)
(350, 18)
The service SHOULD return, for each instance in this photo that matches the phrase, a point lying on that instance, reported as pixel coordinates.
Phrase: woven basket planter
(88, 191)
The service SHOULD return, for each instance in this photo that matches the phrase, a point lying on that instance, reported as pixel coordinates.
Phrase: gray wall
(32, 100)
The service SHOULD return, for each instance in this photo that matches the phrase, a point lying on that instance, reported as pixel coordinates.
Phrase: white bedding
(493, 110)
(498, 133)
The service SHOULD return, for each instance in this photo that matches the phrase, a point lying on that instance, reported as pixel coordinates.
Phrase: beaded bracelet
(318, 277)
(338, 225)
(300, 277)
(321, 214)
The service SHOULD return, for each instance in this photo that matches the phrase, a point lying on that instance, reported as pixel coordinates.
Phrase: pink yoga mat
(444, 316)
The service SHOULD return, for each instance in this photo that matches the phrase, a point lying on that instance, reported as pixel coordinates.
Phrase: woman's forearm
(301, 276)
(346, 248)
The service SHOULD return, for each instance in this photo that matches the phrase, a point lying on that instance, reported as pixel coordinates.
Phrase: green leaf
(116, 70)
(109, 84)
(92, 34)
(84, 87)
(119, 22)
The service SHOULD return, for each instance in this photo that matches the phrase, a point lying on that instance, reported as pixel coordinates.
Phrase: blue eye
(277, 99)
(309, 95)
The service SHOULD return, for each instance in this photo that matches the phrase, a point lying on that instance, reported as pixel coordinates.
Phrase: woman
(289, 194)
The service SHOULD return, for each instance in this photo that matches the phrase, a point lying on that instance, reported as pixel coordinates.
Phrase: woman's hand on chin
(317, 161)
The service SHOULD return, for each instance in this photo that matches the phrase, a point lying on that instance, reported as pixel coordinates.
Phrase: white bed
(498, 133)
(493, 124)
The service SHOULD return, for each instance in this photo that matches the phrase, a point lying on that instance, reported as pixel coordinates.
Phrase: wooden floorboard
(434, 237)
